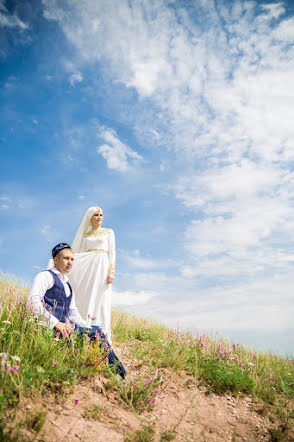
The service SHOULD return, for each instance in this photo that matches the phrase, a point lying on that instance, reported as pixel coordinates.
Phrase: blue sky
(176, 117)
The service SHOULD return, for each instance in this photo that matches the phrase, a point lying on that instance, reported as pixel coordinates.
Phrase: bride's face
(97, 218)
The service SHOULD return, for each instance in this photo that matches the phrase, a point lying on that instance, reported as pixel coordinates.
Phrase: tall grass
(223, 366)
(34, 360)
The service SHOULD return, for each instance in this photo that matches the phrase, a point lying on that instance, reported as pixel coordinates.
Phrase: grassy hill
(40, 371)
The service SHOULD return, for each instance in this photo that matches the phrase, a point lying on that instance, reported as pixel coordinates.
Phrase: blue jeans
(112, 358)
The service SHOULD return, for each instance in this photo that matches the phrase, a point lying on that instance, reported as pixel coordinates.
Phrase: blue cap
(59, 247)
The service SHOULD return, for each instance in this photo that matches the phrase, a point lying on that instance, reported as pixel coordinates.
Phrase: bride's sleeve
(111, 252)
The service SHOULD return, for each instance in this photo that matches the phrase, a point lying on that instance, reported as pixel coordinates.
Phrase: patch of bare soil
(183, 411)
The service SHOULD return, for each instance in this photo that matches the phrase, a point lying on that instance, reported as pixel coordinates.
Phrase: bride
(93, 270)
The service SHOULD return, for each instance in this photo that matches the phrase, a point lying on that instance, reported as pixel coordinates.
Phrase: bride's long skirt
(93, 296)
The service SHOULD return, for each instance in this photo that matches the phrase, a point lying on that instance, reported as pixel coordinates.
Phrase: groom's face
(63, 261)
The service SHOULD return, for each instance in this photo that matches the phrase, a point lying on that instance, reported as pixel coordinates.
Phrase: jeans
(112, 358)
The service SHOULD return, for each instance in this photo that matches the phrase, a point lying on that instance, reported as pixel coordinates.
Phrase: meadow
(36, 361)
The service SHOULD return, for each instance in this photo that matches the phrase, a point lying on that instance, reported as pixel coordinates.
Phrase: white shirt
(43, 282)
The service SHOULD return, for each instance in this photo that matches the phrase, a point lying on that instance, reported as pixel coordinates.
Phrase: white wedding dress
(94, 261)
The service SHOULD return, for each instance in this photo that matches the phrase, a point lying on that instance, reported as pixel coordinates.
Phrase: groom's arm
(42, 282)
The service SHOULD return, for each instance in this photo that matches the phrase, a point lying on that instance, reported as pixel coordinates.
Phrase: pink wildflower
(54, 362)
(16, 368)
(77, 401)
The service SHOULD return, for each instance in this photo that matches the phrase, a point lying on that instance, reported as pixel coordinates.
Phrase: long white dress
(93, 263)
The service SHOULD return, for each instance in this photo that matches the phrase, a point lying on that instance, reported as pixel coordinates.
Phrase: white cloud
(118, 155)
(5, 202)
(48, 233)
(130, 298)
(285, 31)
(10, 21)
(134, 259)
(76, 77)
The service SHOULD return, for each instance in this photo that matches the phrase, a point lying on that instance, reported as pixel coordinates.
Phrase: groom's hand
(64, 328)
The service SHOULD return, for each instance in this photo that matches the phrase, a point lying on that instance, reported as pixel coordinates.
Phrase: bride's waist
(98, 250)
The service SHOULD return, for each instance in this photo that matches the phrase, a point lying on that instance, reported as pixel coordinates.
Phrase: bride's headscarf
(84, 227)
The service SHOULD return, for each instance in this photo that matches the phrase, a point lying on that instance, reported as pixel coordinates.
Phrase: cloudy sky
(176, 117)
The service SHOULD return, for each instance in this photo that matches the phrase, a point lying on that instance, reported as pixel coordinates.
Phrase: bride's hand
(110, 278)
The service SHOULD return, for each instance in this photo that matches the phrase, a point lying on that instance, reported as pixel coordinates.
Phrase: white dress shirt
(43, 282)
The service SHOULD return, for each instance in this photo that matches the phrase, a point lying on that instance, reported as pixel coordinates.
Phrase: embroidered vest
(56, 299)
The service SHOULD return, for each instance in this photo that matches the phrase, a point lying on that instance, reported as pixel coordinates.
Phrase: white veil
(84, 227)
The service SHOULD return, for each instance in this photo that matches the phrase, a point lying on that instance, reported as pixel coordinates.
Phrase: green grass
(217, 363)
(34, 362)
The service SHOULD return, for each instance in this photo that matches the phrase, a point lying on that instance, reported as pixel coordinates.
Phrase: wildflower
(156, 390)
(54, 362)
(255, 357)
(125, 349)
(216, 359)
(77, 401)
(16, 358)
(151, 400)
(6, 322)
(272, 379)
(8, 368)
(16, 368)
(3, 355)
(250, 364)
(147, 381)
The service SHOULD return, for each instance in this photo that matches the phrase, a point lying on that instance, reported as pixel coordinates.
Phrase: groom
(51, 295)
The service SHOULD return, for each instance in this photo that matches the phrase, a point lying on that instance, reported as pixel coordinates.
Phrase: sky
(175, 117)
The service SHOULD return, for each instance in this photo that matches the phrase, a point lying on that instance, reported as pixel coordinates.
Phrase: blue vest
(56, 299)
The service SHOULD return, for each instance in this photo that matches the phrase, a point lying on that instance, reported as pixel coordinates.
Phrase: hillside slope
(178, 387)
